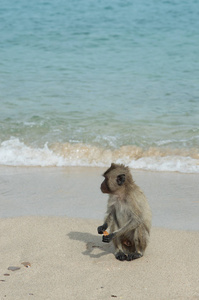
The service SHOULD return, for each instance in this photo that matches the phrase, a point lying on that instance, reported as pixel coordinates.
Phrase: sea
(90, 82)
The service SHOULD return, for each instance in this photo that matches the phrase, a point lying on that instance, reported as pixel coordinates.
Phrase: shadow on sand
(95, 248)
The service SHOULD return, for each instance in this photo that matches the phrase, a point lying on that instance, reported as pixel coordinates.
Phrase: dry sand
(65, 257)
(69, 261)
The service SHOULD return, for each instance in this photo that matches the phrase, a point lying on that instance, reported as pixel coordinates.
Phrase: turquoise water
(90, 82)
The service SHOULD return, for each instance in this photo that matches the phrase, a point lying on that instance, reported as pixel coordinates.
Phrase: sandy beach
(50, 248)
(84, 84)
(69, 261)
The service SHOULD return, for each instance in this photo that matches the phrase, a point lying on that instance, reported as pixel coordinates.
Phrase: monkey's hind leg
(133, 256)
(119, 254)
(141, 238)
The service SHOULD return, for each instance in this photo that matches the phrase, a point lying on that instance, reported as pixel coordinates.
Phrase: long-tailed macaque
(128, 214)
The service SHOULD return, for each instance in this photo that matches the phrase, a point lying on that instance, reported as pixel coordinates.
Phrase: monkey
(128, 214)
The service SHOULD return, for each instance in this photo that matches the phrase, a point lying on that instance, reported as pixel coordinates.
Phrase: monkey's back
(140, 206)
(135, 207)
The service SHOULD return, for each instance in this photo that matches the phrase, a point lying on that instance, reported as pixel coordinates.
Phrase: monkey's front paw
(102, 228)
(107, 238)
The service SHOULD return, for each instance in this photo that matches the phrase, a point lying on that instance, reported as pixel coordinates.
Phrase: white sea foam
(176, 163)
(13, 152)
(16, 153)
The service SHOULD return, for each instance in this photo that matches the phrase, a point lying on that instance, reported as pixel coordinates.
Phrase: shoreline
(75, 192)
(15, 152)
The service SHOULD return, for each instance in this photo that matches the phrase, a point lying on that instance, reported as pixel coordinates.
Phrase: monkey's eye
(121, 179)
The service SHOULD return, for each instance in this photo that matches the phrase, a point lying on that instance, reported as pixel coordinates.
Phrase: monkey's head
(116, 177)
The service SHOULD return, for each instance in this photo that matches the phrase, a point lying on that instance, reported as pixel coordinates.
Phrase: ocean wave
(14, 152)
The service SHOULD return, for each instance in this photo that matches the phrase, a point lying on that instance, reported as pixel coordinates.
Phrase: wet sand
(74, 192)
(48, 222)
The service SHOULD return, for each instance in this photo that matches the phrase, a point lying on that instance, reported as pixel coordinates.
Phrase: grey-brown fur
(128, 214)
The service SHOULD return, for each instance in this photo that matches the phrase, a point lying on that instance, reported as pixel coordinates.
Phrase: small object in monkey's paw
(107, 238)
(105, 232)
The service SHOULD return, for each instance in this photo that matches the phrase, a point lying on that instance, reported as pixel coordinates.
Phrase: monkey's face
(116, 177)
(111, 184)
(104, 187)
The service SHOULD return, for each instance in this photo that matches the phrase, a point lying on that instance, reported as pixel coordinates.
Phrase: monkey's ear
(121, 179)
